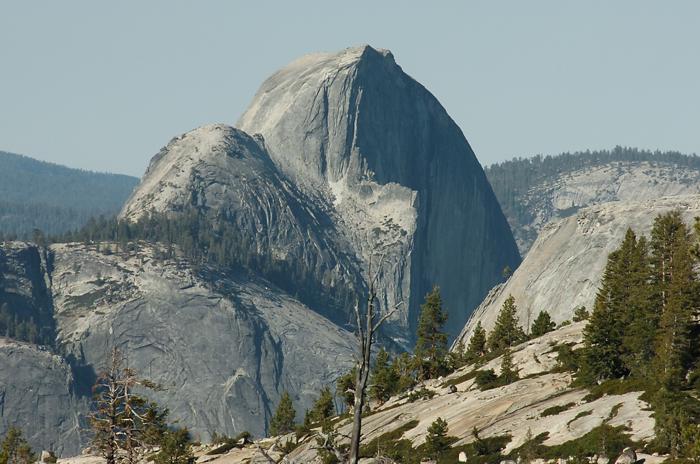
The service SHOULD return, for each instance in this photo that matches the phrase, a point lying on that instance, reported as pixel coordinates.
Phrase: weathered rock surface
(227, 174)
(340, 158)
(564, 268)
(619, 181)
(510, 410)
(354, 159)
(25, 285)
(354, 131)
(37, 395)
(224, 352)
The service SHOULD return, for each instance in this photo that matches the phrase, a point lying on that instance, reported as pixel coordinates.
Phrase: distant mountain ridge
(41, 195)
(532, 191)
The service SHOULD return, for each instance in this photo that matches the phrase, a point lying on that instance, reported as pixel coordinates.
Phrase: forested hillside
(40, 195)
(534, 190)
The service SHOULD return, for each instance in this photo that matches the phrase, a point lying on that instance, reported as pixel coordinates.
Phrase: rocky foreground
(542, 401)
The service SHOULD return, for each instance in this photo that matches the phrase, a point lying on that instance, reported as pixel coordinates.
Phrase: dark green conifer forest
(643, 329)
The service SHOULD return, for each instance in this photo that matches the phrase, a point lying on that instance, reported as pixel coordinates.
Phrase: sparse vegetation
(555, 410)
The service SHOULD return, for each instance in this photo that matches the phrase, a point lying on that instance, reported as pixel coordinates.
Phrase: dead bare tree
(106, 418)
(367, 327)
(117, 419)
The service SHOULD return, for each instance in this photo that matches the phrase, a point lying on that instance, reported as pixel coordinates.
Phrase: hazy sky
(103, 85)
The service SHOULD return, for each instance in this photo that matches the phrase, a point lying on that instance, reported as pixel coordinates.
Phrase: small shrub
(581, 314)
(228, 443)
(389, 442)
(422, 394)
(461, 379)
(555, 410)
(580, 415)
(568, 360)
(486, 380)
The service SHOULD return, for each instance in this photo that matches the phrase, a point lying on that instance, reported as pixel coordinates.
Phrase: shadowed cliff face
(37, 388)
(352, 128)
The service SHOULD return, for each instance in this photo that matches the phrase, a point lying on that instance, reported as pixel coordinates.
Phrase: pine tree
(404, 368)
(345, 387)
(506, 332)
(543, 324)
(108, 413)
(118, 416)
(602, 353)
(508, 372)
(437, 441)
(677, 294)
(14, 449)
(384, 379)
(581, 314)
(283, 420)
(176, 448)
(323, 408)
(431, 344)
(154, 424)
(641, 318)
(477, 343)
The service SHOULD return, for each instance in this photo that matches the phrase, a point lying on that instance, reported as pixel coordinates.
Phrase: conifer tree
(404, 368)
(581, 314)
(542, 325)
(431, 344)
(384, 379)
(345, 388)
(176, 448)
(118, 419)
(602, 353)
(323, 408)
(14, 449)
(678, 297)
(283, 420)
(508, 372)
(477, 342)
(436, 441)
(506, 332)
(457, 357)
(641, 319)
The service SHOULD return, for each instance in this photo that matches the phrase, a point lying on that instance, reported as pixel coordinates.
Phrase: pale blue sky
(103, 85)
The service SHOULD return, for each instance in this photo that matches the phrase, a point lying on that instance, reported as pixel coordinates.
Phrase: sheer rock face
(353, 130)
(223, 347)
(564, 268)
(36, 387)
(36, 394)
(352, 159)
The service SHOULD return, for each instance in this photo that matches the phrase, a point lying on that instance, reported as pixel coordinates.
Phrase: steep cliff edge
(353, 129)
(37, 394)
